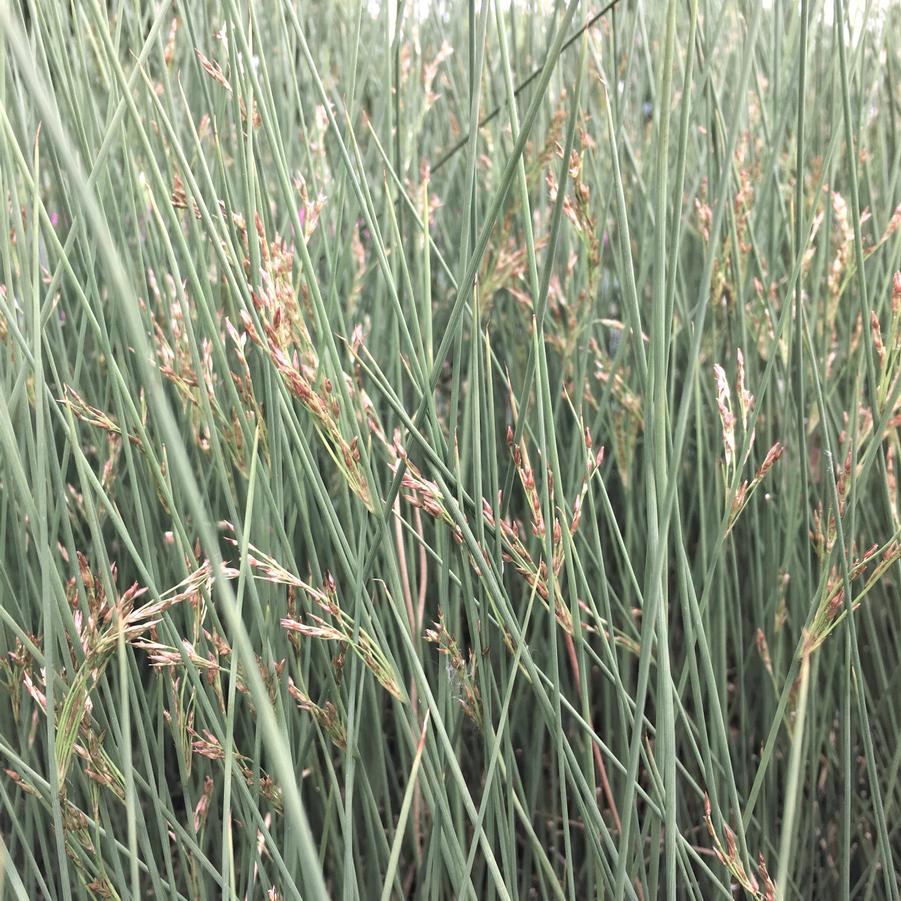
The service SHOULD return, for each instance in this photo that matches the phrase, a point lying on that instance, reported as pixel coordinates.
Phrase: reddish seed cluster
(762, 888)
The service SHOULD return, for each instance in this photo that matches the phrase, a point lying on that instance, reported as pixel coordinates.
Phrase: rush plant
(449, 450)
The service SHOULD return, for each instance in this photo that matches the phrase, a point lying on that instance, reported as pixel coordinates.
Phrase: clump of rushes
(98, 624)
(376, 296)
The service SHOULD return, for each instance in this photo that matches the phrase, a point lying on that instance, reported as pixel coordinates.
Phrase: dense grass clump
(450, 450)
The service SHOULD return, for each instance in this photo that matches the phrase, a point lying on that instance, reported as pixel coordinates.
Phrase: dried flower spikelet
(577, 516)
(430, 70)
(169, 50)
(891, 484)
(738, 502)
(356, 338)
(769, 887)
(729, 857)
(202, 807)
(461, 673)
(708, 818)
(845, 232)
(727, 417)
(877, 338)
(745, 398)
(764, 651)
(893, 223)
(773, 454)
(207, 746)
(704, 213)
(214, 70)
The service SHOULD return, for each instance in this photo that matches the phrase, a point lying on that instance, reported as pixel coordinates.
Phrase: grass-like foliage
(449, 450)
